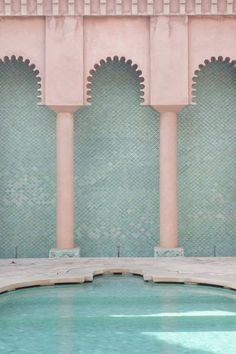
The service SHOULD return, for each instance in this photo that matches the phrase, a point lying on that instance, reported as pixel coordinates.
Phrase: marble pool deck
(19, 273)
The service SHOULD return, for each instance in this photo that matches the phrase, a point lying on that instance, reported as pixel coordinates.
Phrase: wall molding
(117, 7)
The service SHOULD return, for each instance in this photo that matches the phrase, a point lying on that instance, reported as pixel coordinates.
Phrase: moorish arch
(116, 165)
(129, 64)
(27, 163)
(207, 165)
(13, 60)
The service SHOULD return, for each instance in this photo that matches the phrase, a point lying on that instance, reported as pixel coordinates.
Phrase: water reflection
(118, 314)
(65, 323)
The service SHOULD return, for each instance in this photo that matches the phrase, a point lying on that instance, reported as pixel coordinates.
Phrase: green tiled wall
(207, 165)
(116, 168)
(27, 165)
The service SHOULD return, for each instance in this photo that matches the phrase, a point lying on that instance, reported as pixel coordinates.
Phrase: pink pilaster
(168, 180)
(65, 190)
(65, 245)
(169, 244)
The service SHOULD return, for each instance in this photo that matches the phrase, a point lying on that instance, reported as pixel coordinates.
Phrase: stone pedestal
(64, 253)
(168, 252)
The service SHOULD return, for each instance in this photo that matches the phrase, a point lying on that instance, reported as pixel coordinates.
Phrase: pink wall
(210, 37)
(117, 36)
(169, 60)
(24, 37)
(64, 61)
(167, 49)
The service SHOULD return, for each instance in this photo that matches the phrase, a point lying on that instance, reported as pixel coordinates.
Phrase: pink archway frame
(31, 67)
(102, 62)
(213, 59)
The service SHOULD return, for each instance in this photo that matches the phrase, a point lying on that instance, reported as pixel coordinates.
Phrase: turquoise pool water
(118, 314)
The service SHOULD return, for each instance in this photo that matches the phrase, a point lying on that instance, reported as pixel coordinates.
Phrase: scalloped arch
(116, 58)
(31, 66)
(206, 62)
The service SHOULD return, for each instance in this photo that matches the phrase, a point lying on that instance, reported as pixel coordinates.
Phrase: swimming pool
(118, 314)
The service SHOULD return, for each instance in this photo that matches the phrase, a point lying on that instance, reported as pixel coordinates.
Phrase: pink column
(65, 190)
(168, 180)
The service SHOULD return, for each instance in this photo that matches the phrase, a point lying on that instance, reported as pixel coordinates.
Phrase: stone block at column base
(66, 253)
(168, 252)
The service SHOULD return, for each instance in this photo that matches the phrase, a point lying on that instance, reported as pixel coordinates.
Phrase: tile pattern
(116, 167)
(207, 164)
(27, 165)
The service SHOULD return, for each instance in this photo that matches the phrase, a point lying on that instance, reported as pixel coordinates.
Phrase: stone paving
(18, 273)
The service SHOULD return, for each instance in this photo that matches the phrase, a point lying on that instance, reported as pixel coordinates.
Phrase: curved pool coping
(24, 273)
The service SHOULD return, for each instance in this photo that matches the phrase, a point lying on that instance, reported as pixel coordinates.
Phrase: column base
(168, 252)
(66, 253)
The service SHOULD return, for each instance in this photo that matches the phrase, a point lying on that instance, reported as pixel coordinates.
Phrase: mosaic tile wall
(27, 165)
(117, 168)
(207, 165)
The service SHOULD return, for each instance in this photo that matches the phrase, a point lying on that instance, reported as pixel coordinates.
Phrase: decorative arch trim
(31, 66)
(122, 59)
(206, 62)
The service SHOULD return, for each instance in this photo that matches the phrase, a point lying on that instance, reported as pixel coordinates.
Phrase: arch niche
(27, 163)
(207, 162)
(116, 165)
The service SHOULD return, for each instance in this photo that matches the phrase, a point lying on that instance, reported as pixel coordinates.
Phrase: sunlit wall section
(207, 164)
(117, 167)
(27, 165)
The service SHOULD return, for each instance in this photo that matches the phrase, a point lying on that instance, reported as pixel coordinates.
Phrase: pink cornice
(116, 7)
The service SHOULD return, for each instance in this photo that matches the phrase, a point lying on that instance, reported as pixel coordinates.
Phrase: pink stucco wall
(24, 37)
(167, 49)
(117, 36)
(166, 39)
(210, 37)
(169, 60)
(64, 60)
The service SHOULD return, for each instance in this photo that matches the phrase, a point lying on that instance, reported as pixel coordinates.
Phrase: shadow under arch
(27, 163)
(116, 166)
(207, 169)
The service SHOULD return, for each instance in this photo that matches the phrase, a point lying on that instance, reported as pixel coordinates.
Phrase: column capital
(168, 108)
(64, 108)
